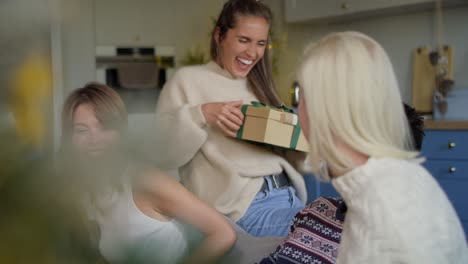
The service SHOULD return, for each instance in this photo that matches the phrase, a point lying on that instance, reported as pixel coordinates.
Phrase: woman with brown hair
(198, 115)
(143, 215)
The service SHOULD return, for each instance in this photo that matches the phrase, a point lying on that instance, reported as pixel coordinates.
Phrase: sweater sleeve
(179, 125)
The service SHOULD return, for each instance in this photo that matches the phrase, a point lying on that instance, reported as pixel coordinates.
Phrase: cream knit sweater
(224, 172)
(397, 213)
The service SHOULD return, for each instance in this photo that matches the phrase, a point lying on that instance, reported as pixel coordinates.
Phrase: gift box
(273, 126)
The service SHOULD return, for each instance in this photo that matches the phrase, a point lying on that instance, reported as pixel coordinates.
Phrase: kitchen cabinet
(446, 152)
(316, 188)
(296, 11)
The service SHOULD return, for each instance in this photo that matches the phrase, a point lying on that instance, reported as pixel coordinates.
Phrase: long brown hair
(260, 78)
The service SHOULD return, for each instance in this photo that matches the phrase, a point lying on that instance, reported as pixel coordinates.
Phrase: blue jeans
(271, 212)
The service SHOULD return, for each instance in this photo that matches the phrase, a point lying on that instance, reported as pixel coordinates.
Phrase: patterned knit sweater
(397, 213)
(224, 172)
(314, 235)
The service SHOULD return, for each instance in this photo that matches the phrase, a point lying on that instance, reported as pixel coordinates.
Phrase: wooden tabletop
(445, 124)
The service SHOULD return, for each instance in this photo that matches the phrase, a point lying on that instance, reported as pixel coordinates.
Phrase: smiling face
(243, 46)
(89, 137)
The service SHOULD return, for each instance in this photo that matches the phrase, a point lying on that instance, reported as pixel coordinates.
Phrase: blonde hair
(110, 110)
(351, 94)
(106, 103)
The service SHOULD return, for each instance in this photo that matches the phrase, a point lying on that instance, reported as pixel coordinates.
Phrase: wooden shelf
(445, 125)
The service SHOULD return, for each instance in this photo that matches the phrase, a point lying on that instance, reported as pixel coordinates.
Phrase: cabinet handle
(451, 145)
(345, 6)
(452, 169)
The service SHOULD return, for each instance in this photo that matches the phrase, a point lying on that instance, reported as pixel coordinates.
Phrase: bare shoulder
(165, 193)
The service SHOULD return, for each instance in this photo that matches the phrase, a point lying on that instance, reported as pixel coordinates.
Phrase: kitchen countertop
(446, 124)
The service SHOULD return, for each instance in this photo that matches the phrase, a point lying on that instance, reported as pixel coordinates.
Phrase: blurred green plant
(39, 220)
(194, 57)
(276, 47)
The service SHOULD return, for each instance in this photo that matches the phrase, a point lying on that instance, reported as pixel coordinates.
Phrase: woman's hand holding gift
(226, 116)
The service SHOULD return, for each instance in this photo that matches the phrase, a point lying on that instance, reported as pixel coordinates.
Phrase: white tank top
(128, 235)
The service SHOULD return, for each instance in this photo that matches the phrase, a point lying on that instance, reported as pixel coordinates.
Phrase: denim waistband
(275, 181)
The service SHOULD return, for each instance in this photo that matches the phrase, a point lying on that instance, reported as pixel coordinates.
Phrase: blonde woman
(351, 113)
(143, 215)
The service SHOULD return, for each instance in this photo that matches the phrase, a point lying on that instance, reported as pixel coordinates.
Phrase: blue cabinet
(316, 188)
(446, 153)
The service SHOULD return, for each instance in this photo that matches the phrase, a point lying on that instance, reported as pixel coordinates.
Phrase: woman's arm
(170, 198)
(178, 131)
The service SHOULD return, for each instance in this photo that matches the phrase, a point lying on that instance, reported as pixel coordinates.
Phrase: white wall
(78, 44)
(181, 24)
(72, 51)
(398, 34)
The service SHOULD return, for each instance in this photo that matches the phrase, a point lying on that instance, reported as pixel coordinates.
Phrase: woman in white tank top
(141, 212)
(127, 233)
